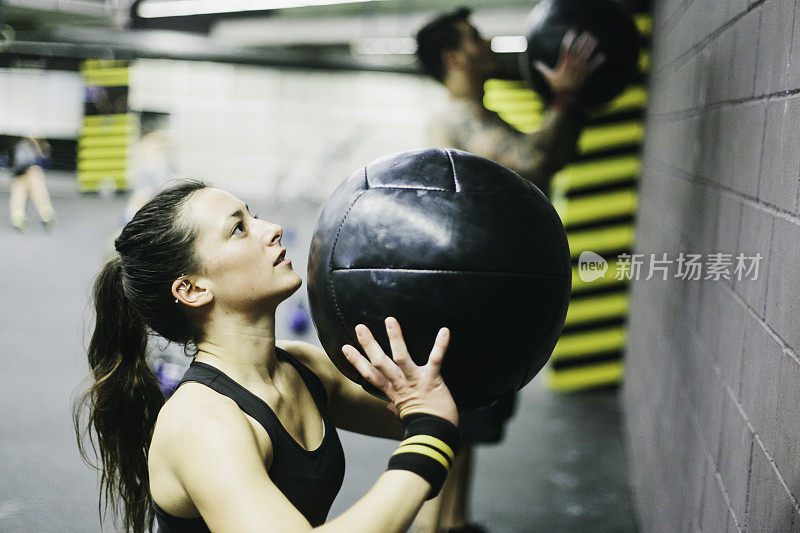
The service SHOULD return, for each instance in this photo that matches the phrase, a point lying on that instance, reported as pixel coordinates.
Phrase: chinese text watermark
(714, 266)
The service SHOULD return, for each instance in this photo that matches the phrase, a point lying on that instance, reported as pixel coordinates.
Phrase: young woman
(247, 442)
(29, 153)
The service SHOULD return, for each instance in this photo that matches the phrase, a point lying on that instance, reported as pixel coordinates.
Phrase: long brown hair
(132, 298)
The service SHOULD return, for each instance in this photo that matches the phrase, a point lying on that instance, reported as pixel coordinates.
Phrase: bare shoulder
(213, 424)
(206, 459)
(316, 360)
(199, 415)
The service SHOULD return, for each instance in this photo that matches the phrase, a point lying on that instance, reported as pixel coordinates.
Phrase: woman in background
(28, 157)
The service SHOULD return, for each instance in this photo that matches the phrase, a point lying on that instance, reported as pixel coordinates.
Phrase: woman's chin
(291, 287)
(278, 294)
(298, 282)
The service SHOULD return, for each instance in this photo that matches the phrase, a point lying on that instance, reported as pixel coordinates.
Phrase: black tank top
(308, 479)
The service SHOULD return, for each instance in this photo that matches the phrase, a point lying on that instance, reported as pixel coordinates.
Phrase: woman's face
(243, 262)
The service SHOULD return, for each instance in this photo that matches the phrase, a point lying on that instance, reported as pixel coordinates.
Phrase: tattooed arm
(535, 157)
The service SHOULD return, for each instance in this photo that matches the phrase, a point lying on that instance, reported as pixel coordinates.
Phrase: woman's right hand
(409, 387)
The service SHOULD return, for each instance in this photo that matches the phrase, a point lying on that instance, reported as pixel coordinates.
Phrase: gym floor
(561, 466)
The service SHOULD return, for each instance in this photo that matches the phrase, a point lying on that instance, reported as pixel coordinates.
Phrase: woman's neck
(242, 348)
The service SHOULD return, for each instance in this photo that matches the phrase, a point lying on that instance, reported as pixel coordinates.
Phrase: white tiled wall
(282, 134)
(40, 103)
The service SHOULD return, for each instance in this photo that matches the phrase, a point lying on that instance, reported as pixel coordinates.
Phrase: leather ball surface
(443, 238)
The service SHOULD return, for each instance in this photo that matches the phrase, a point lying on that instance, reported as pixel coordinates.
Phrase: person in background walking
(29, 155)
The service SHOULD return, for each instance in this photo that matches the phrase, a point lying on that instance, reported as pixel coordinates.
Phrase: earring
(184, 283)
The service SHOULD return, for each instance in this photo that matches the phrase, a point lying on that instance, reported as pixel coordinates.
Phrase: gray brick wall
(712, 388)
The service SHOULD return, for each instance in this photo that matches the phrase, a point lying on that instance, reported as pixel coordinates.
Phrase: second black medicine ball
(617, 38)
(443, 238)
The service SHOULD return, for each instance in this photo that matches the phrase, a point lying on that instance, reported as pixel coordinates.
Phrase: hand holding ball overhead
(561, 32)
(443, 238)
(575, 63)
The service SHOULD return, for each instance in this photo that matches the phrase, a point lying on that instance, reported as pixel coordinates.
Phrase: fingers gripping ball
(408, 387)
(443, 238)
(618, 41)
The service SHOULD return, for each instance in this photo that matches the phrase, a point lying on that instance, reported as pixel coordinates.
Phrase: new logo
(591, 266)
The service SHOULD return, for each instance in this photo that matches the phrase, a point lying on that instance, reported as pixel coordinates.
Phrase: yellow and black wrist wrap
(428, 449)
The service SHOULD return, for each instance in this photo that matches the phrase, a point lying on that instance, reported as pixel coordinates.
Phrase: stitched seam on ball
(468, 192)
(453, 168)
(556, 221)
(366, 182)
(333, 251)
(475, 272)
(422, 188)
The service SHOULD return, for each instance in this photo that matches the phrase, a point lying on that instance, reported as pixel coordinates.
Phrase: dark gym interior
(661, 398)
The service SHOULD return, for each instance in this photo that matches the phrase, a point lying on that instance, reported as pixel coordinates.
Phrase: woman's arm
(218, 462)
(350, 407)
(216, 457)
(390, 505)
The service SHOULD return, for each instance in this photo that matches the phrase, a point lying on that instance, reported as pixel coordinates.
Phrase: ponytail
(121, 404)
(132, 298)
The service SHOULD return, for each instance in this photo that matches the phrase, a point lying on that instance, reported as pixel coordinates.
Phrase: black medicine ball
(443, 238)
(617, 38)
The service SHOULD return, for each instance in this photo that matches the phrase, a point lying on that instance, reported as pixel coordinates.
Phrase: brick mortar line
(765, 207)
(776, 213)
(727, 388)
(679, 8)
(785, 348)
(778, 474)
(709, 456)
(732, 395)
(749, 477)
(727, 499)
(763, 146)
(797, 196)
(663, 473)
(713, 363)
(708, 39)
(705, 182)
(736, 402)
(755, 439)
(754, 435)
(655, 205)
(755, 71)
(691, 112)
(696, 422)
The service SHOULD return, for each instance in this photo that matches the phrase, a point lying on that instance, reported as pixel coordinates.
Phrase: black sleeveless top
(308, 479)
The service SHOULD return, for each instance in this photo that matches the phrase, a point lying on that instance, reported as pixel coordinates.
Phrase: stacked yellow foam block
(596, 198)
(106, 139)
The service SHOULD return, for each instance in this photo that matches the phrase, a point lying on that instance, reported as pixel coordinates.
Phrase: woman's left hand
(409, 387)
